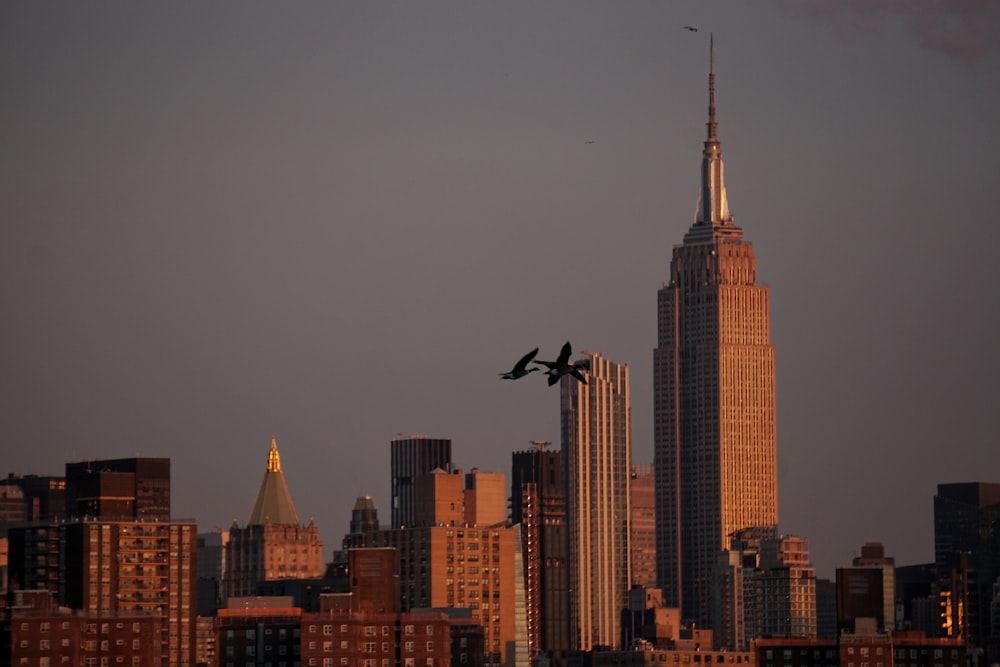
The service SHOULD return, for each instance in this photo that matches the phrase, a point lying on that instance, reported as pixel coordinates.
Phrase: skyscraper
(715, 454)
(273, 545)
(597, 461)
(409, 457)
(538, 504)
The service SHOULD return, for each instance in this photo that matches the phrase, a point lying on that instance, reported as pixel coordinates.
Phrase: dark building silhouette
(538, 504)
(715, 438)
(867, 589)
(364, 519)
(136, 488)
(44, 496)
(409, 458)
(967, 556)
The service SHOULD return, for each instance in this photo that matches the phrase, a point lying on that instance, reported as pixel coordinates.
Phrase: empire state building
(715, 439)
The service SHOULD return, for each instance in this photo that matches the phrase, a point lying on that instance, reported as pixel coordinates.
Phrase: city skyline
(338, 224)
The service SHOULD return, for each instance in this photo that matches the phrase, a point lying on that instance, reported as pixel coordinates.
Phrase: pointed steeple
(274, 502)
(713, 216)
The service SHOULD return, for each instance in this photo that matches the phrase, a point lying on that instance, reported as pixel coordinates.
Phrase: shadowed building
(538, 504)
(273, 545)
(967, 556)
(715, 451)
(867, 590)
(642, 543)
(136, 488)
(410, 457)
(44, 496)
(364, 518)
(597, 461)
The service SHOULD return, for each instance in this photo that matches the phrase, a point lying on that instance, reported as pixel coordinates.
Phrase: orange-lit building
(37, 632)
(448, 562)
(273, 545)
(715, 426)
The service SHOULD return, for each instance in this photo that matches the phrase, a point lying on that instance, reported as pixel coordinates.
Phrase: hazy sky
(336, 222)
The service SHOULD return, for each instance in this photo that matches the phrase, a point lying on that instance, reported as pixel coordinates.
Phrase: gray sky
(336, 222)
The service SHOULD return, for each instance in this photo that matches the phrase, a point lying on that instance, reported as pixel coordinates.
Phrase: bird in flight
(562, 366)
(520, 368)
(589, 141)
(692, 29)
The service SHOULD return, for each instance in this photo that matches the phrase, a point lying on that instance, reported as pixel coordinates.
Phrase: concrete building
(538, 505)
(715, 442)
(410, 457)
(273, 545)
(596, 420)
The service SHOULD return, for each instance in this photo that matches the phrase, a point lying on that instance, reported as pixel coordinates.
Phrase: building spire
(274, 502)
(713, 126)
(273, 459)
(713, 207)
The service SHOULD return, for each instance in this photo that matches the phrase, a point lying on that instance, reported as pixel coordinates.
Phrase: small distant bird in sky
(589, 141)
(561, 366)
(520, 368)
(692, 29)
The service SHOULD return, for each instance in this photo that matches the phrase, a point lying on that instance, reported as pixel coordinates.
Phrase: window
(327, 629)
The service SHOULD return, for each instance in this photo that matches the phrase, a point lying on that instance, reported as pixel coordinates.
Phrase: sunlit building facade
(597, 460)
(715, 442)
(273, 545)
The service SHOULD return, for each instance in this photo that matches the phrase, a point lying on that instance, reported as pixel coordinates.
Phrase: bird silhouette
(562, 366)
(692, 29)
(520, 368)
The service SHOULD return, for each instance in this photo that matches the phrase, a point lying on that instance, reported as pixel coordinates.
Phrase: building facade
(409, 457)
(136, 488)
(446, 561)
(596, 455)
(715, 444)
(273, 545)
(538, 505)
(642, 543)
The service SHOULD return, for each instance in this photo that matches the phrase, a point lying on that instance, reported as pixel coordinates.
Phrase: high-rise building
(597, 461)
(273, 545)
(642, 543)
(715, 453)
(409, 457)
(137, 488)
(538, 505)
(967, 558)
(111, 568)
(443, 560)
(780, 600)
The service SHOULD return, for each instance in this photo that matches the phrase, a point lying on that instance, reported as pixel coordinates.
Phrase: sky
(336, 223)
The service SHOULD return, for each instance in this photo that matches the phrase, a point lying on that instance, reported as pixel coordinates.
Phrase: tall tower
(273, 545)
(538, 504)
(714, 395)
(597, 460)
